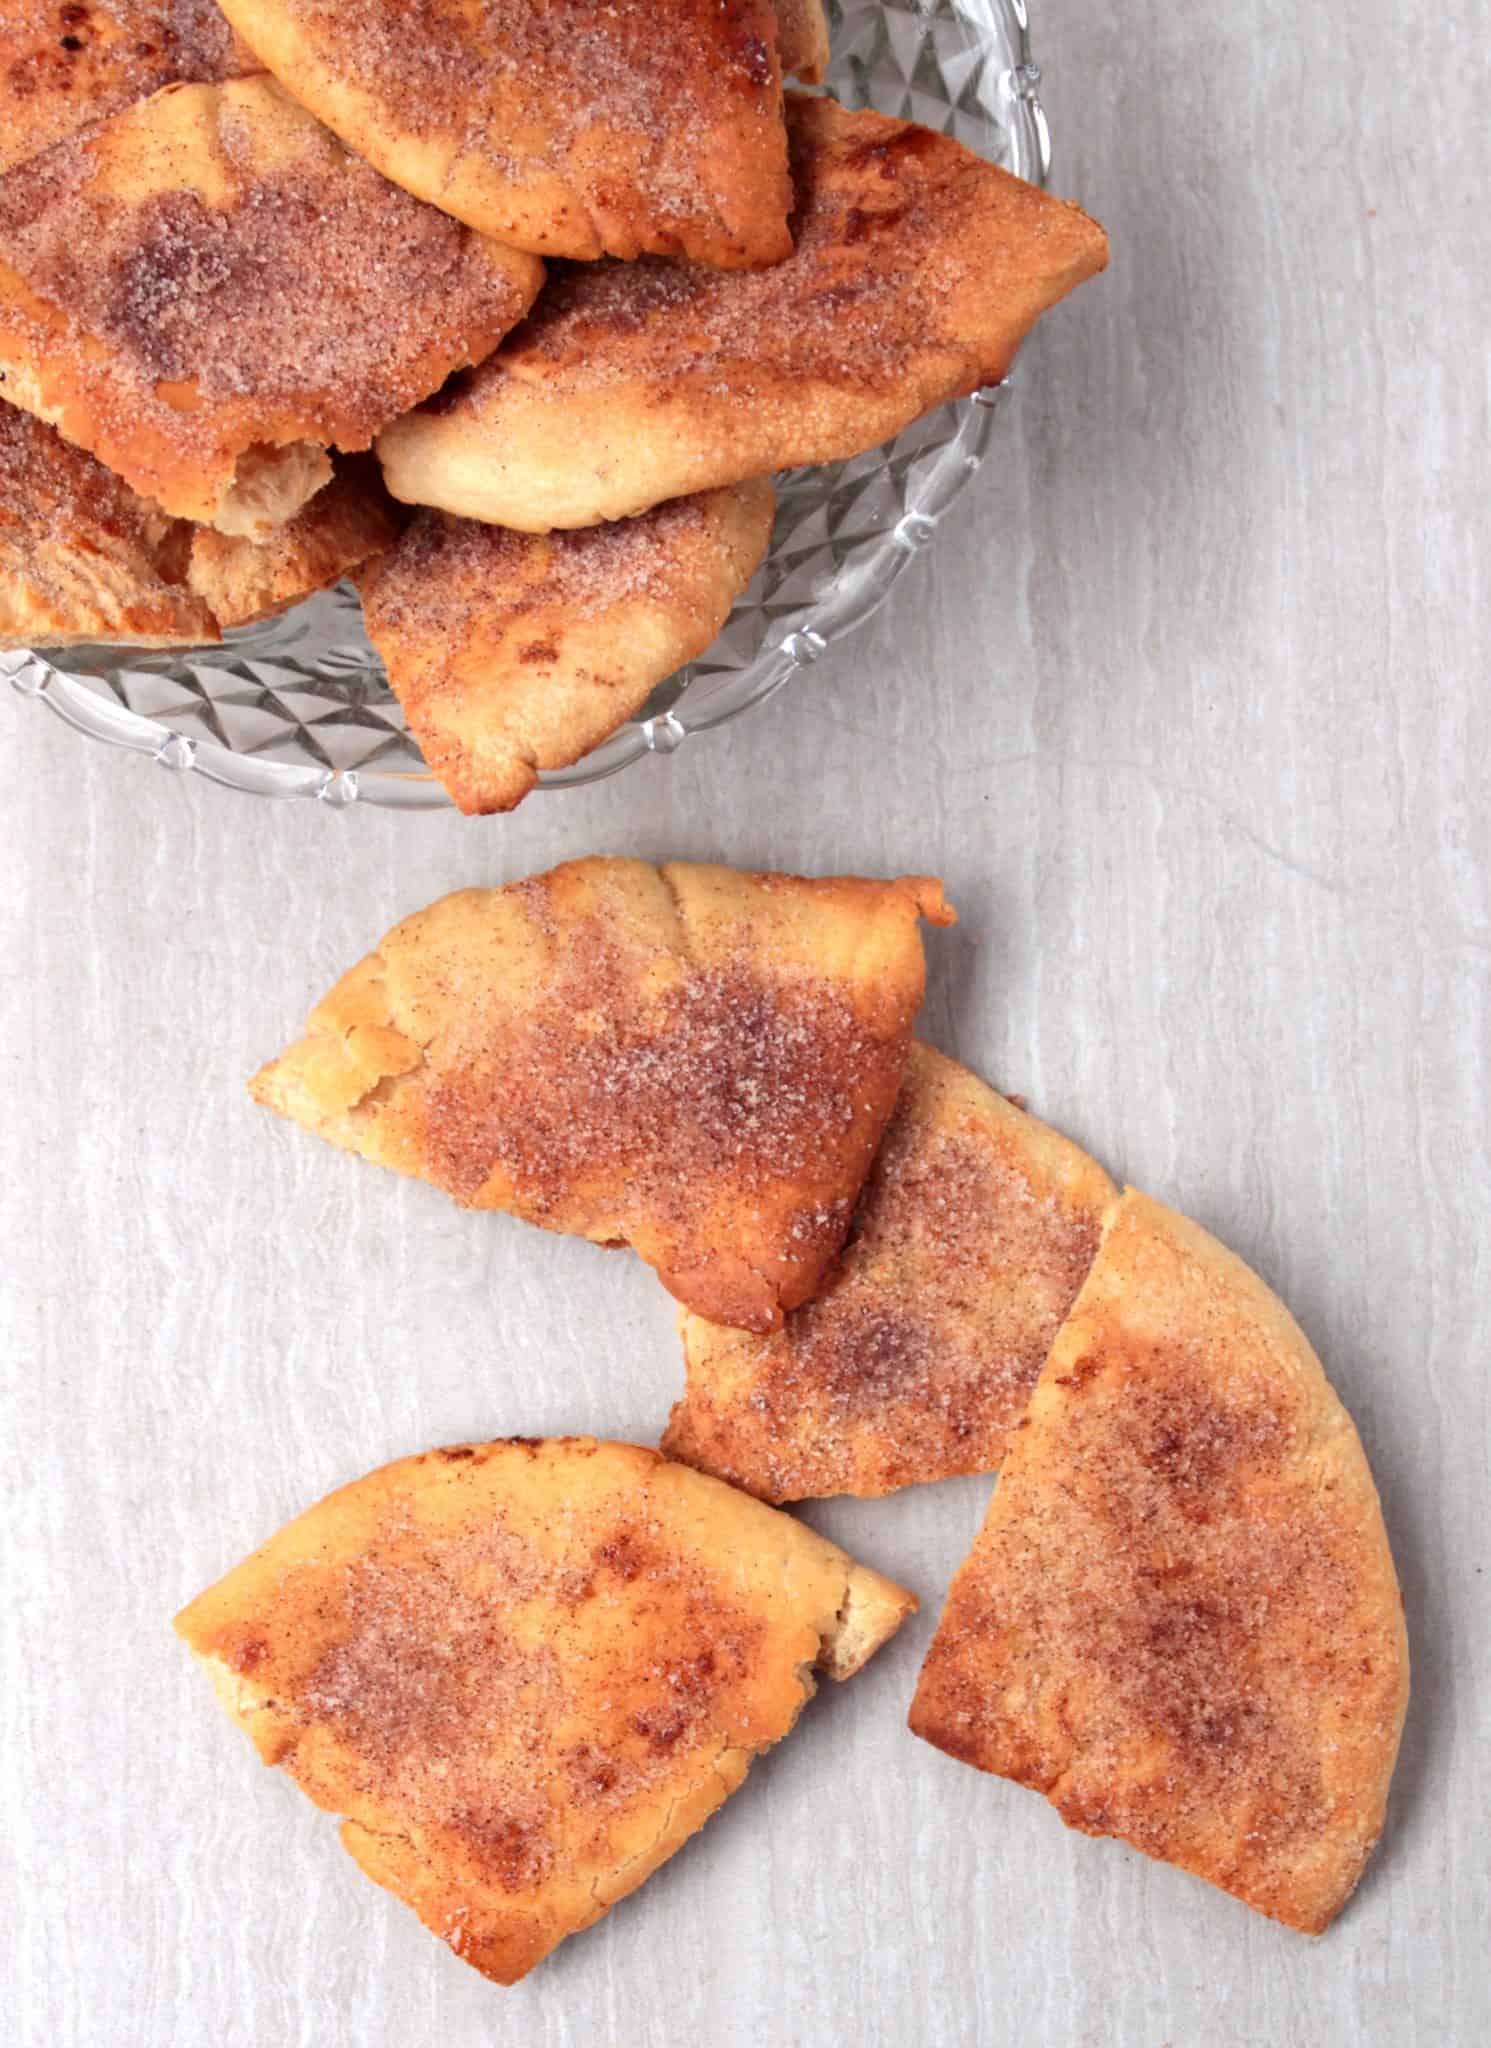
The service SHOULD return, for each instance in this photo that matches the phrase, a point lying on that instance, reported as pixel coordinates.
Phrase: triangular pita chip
(527, 1671)
(693, 1061)
(918, 270)
(974, 1232)
(515, 652)
(207, 292)
(63, 67)
(1180, 1620)
(559, 126)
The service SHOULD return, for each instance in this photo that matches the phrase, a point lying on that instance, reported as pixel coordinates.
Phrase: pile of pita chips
(236, 240)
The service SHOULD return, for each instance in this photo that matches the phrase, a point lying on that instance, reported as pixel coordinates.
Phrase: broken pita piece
(85, 560)
(346, 526)
(82, 557)
(208, 293)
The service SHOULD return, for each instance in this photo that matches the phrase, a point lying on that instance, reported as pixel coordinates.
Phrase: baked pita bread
(692, 1061)
(918, 270)
(82, 558)
(207, 291)
(1180, 1620)
(974, 1232)
(515, 652)
(526, 1672)
(63, 66)
(555, 125)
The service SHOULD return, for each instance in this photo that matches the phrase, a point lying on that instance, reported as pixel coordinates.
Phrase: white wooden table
(1190, 709)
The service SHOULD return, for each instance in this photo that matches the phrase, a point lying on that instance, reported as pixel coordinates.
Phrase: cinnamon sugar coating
(1180, 1620)
(514, 652)
(973, 1234)
(695, 1062)
(917, 271)
(207, 291)
(558, 126)
(527, 1671)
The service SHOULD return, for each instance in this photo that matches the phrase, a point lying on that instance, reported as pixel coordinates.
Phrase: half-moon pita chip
(67, 63)
(559, 126)
(973, 1234)
(82, 558)
(693, 1061)
(514, 652)
(1180, 1620)
(918, 270)
(207, 291)
(526, 1672)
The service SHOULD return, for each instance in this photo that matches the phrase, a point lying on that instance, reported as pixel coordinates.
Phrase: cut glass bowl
(299, 705)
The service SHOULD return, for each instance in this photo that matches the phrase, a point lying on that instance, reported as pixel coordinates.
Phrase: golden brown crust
(690, 1060)
(527, 1671)
(65, 64)
(344, 527)
(555, 125)
(514, 652)
(973, 1234)
(1180, 1620)
(207, 291)
(918, 270)
(82, 558)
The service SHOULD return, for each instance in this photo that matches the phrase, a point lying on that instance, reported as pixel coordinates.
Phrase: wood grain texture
(1189, 707)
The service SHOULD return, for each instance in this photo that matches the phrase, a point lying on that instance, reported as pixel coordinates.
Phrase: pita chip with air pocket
(525, 1672)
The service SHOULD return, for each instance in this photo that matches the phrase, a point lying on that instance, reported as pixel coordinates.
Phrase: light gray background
(1188, 707)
